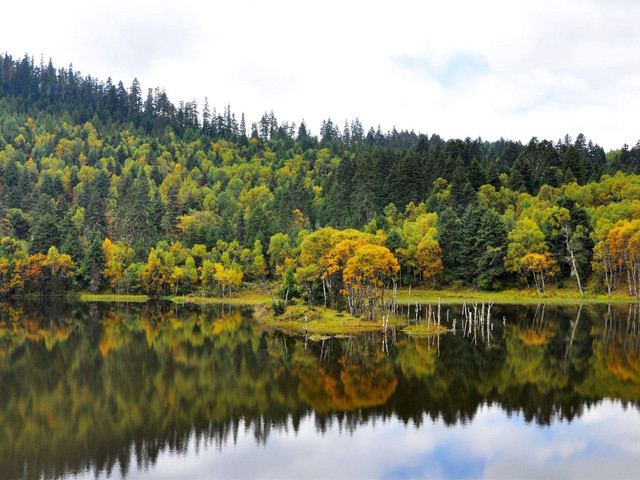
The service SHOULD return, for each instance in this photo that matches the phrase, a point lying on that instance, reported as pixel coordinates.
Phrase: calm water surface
(155, 391)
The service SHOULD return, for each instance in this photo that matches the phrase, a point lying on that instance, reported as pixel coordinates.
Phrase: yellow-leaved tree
(365, 276)
(541, 266)
(429, 258)
(524, 240)
(117, 258)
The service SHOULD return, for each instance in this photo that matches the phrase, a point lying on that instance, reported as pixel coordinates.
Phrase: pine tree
(19, 223)
(93, 264)
(493, 238)
(483, 246)
(449, 237)
(394, 241)
(572, 164)
(520, 177)
(476, 175)
(70, 241)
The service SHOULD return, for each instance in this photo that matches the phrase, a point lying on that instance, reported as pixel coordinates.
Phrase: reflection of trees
(88, 384)
(531, 379)
(416, 357)
(527, 363)
(18, 325)
(614, 367)
(540, 365)
(452, 388)
(363, 377)
(143, 378)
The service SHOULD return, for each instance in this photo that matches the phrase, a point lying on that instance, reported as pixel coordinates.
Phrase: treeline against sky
(135, 193)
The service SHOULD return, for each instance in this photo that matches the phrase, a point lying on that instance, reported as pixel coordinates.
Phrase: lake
(164, 391)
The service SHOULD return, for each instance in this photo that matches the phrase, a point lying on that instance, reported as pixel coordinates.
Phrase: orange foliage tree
(541, 265)
(364, 277)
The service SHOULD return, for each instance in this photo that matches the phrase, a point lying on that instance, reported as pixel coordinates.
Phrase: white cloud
(490, 69)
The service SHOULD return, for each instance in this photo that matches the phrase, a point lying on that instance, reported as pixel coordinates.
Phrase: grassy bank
(245, 297)
(324, 321)
(558, 296)
(104, 297)
(418, 295)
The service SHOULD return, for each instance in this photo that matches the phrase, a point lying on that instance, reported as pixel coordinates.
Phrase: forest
(104, 188)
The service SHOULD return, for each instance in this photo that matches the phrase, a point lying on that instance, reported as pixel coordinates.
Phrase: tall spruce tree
(93, 264)
(483, 246)
(449, 237)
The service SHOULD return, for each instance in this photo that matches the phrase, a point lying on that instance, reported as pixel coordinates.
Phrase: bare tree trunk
(324, 292)
(573, 258)
(575, 269)
(606, 275)
(535, 279)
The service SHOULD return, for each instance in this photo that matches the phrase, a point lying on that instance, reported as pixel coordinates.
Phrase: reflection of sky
(603, 443)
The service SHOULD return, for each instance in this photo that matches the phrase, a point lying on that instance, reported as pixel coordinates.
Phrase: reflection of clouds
(603, 443)
(584, 448)
(596, 415)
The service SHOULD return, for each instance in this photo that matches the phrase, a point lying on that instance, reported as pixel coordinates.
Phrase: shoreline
(418, 296)
(318, 322)
(426, 296)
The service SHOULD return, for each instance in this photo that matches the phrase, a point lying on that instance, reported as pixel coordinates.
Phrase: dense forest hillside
(103, 187)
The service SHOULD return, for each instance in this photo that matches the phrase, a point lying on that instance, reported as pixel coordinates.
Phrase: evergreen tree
(363, 200)
(45, 234)
(339, 198)
(449, 237)
(70, 241)
(572, 165)
(93, 264)
(490, 264)
(483, 246)
(576, 231)
(95, 217)
(19, 224)
(394, 241)
(476, 174)
(520, 176)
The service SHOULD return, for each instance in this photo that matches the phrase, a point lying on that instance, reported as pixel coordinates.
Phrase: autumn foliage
(39, 274)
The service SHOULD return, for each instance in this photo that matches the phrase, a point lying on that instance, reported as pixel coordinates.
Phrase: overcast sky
(514, 69)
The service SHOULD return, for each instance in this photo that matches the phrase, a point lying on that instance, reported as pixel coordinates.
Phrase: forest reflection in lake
(158, 390)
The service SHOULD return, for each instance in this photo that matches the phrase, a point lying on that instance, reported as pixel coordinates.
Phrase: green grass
(418, 295)
(245, 297)
(104, 297)
(322, 321)
(559, 296)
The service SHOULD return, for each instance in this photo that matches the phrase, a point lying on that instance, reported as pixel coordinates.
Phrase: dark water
(153, 391)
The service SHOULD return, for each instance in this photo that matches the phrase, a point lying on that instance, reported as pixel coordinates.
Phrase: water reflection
(493, 446)
(117, 388)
